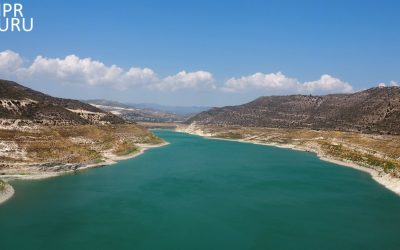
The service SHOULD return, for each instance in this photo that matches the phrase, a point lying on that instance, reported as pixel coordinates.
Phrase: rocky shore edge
(111, 159)
(6, 193)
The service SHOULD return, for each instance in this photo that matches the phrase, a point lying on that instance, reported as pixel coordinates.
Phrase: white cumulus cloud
(10, 62)
(72, 69)
(272, 81)
(391, 84)
(185, 80)
(278, 83)
(86, 71)
(382, 85)
(326, 84)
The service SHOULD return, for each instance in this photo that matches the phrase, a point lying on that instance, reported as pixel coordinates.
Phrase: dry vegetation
(85, 144)
(381, 152)
(373, 111)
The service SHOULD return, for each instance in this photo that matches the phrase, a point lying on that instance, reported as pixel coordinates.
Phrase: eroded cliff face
(375, 111)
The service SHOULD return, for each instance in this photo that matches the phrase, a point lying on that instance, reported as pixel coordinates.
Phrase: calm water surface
(204, 194)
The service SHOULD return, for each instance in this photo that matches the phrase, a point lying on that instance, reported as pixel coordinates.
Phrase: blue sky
(205, 52)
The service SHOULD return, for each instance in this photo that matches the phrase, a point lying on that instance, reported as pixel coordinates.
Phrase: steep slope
(24, 105)
(375, 110)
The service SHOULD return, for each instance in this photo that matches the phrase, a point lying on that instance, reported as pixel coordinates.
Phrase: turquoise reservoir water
(204, 194)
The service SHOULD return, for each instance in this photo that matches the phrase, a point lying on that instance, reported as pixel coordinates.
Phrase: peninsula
(43, 136)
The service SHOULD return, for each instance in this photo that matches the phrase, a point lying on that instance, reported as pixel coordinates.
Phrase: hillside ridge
(22, 105)
(374, 111)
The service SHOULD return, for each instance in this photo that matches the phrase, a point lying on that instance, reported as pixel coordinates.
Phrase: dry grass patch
(78, 144)
(377, 151)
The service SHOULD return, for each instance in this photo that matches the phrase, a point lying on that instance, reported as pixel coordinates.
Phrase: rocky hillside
(375, 110)
(20, 106)
(43, 134)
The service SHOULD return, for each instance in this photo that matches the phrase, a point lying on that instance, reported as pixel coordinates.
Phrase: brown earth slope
(26, 106)
(374, 111)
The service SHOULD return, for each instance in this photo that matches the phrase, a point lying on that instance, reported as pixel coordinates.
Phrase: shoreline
(386, 180)
(7, 193)
(111, 159)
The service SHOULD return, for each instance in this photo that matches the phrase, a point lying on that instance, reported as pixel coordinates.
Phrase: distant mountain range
(178, 110)
(147, 112)
(132, 113)
(375, 110)
(19, 104)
